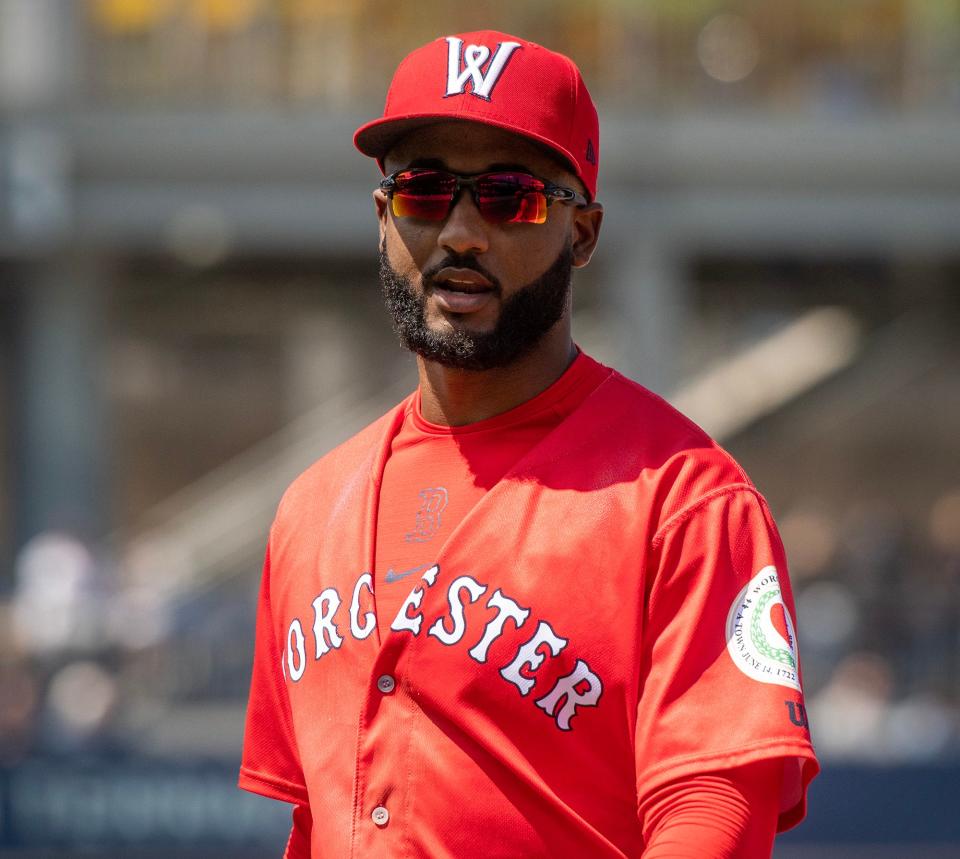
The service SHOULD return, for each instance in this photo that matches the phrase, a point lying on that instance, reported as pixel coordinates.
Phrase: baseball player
(532, 611)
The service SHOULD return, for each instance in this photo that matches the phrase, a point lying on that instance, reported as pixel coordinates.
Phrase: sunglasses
(502, 197)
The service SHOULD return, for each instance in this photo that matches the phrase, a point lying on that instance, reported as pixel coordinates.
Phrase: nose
(464, 230)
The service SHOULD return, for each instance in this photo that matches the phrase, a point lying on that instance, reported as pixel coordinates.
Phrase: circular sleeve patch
(760, 636)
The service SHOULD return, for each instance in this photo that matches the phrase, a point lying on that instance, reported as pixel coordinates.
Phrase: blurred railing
(791, 55)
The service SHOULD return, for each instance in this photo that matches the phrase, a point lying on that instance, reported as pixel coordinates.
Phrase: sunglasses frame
(552, 192)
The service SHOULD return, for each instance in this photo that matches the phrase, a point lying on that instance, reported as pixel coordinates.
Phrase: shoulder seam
(685, 513)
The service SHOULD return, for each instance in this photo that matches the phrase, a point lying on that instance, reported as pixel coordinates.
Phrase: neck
(452, 397)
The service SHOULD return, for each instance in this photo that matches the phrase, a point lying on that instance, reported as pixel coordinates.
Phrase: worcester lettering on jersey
(581, 687)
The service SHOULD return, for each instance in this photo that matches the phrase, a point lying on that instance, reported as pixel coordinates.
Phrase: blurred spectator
(855, 716)
(55, 604)
(19, 696)
(847, 716)
(80, 699)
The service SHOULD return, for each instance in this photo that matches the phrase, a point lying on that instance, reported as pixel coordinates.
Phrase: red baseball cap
(498, 80)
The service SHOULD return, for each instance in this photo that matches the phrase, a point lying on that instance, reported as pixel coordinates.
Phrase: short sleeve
(721, 683)
(271, 763)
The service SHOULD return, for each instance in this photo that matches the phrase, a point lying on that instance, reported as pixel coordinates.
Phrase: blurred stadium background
(189, 315)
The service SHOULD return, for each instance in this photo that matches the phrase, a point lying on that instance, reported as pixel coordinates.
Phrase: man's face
(463, 292)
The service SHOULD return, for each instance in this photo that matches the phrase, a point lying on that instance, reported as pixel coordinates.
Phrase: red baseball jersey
(612, 615)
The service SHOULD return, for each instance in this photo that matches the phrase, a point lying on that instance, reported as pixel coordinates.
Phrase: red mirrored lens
(515, 198)
(501, 197)
(427, 194)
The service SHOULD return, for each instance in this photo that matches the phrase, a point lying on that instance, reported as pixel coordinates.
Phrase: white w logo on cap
(473, 57)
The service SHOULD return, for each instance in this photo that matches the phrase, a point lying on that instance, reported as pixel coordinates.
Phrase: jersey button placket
(384, 726)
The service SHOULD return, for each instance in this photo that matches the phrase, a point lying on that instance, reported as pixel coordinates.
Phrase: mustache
(466, 261)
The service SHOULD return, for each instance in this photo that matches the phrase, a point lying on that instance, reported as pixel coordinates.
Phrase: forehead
(469, 147)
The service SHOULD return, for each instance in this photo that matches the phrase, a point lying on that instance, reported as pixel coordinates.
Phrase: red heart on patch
(778, 617)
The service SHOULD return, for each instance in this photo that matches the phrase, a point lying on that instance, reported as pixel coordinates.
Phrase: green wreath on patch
(778, 654)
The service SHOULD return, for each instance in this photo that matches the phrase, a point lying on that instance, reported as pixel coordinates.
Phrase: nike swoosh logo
(393, 576)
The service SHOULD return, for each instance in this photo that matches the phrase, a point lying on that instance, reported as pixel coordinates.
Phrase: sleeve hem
(272, 787)
(680, 767)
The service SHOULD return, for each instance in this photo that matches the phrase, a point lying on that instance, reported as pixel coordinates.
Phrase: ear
(382, 205)
(586, 232)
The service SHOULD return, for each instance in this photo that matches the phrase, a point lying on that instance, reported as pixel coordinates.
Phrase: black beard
(525, 317)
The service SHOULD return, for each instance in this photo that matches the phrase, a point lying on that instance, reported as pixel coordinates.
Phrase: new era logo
(591, 156)
(466, 65)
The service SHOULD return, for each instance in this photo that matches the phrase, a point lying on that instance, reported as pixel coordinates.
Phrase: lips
(462, 290)
(462, 280)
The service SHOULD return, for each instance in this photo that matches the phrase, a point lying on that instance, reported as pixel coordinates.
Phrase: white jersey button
(380, 816)
(386, 684)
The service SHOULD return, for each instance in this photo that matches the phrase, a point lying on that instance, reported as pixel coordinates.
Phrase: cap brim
(378, 137)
